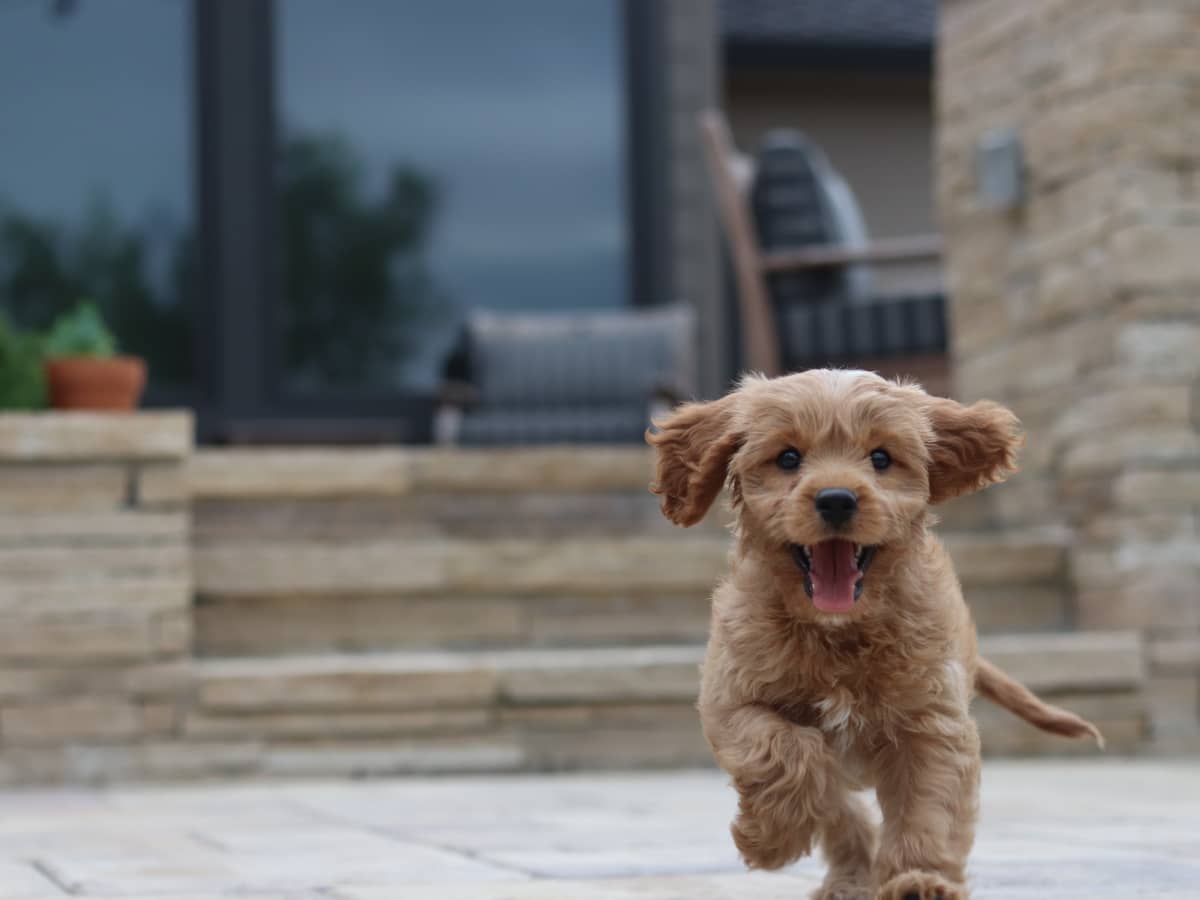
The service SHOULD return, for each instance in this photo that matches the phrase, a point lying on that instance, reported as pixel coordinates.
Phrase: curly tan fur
(804, 707)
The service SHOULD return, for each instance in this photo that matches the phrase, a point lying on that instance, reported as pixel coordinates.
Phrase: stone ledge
(105, 527)
(66, 719)
(1121, 716)
(1100, 661)
(1106, 660)
(407, 757)
(298, 472)
(344, 682)
(331, 726)
(1005, 559)
(1018, 608)
(69, 436)
(323, 623)
(493, 566)
(1176, 653)
(438, 514)
(600, 675)
(487, 711)
(579, 565)
(97, 597)
(424, 680)
(317, 472)
(140, 681)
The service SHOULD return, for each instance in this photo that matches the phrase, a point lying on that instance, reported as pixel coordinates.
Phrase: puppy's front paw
(842, 889)
(765, 846)
(918, 885)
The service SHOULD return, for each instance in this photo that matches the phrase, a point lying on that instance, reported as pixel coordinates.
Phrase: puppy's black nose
(837, 506)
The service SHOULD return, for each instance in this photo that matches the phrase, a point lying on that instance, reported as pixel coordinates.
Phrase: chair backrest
(805, 309)
(798, 199)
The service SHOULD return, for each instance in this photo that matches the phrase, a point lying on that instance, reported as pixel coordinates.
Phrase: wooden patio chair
(759, 275)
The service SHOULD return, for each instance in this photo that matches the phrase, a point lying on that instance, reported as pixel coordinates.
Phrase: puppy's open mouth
(833, 572)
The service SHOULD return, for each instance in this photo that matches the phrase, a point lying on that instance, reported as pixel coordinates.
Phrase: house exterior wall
(877, 130)
(1078, 308)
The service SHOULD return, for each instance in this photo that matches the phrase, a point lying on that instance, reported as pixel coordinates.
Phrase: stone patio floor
(1062, 829)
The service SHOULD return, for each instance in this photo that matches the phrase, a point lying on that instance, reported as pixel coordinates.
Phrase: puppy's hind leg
(848, 844)
(788, 782)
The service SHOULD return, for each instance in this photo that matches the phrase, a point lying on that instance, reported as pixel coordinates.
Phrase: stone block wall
(402, 548)
(174, 613)
(95, 587)
(1080, 307)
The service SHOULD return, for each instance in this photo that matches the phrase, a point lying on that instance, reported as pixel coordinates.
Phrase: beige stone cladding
(96, 590)
(1080, 308)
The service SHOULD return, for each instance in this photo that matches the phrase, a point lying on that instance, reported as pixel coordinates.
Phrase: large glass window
(435, 156)
(95, 170)
(289, 206)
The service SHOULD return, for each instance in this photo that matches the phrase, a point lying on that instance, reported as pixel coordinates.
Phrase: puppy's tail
(1016, 698)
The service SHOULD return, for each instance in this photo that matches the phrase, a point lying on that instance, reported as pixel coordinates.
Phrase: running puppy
(841, 654)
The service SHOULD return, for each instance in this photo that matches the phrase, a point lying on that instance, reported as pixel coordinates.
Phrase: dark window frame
(239, 395)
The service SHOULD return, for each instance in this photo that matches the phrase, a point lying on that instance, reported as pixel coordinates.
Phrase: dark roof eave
(808, 56)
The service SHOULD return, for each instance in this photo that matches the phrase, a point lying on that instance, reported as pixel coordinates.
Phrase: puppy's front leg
(928, 788)
(787, 780)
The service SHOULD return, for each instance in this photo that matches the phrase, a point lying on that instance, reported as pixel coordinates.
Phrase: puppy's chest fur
(835, 692)
(855, 690)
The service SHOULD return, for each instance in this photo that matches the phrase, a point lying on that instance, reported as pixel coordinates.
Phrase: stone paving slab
(1086, 830)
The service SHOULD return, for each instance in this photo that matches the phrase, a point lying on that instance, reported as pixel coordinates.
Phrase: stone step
(1034, 557)
(443, 680)
(249, 565)
(536, 513)
(498, 565)
(546, 709)
(322, 623)
(568, 563)
(306, 595)
(1100, 661)
(312, 551)
(340, 472)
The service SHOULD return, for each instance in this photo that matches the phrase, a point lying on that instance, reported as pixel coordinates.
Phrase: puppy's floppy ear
(974, 446)
(693, 446)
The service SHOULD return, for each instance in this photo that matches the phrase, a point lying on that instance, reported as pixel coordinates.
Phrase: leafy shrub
(22, 376)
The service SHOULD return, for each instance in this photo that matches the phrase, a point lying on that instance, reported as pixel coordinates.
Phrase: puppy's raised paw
(764, 847)
(917, 885)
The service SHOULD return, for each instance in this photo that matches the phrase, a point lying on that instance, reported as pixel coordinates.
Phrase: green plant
(22, 377)
(81, 332)
(48, 264)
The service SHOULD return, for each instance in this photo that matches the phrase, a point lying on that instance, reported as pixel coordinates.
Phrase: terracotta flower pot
(93, 382)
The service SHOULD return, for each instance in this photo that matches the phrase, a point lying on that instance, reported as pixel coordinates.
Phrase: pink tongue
(833, 575)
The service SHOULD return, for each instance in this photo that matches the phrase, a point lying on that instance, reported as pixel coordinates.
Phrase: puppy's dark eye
(880, 459)
(789, 459)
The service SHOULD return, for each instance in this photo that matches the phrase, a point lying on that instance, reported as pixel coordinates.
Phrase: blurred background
(292, 210)
(408, 279)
